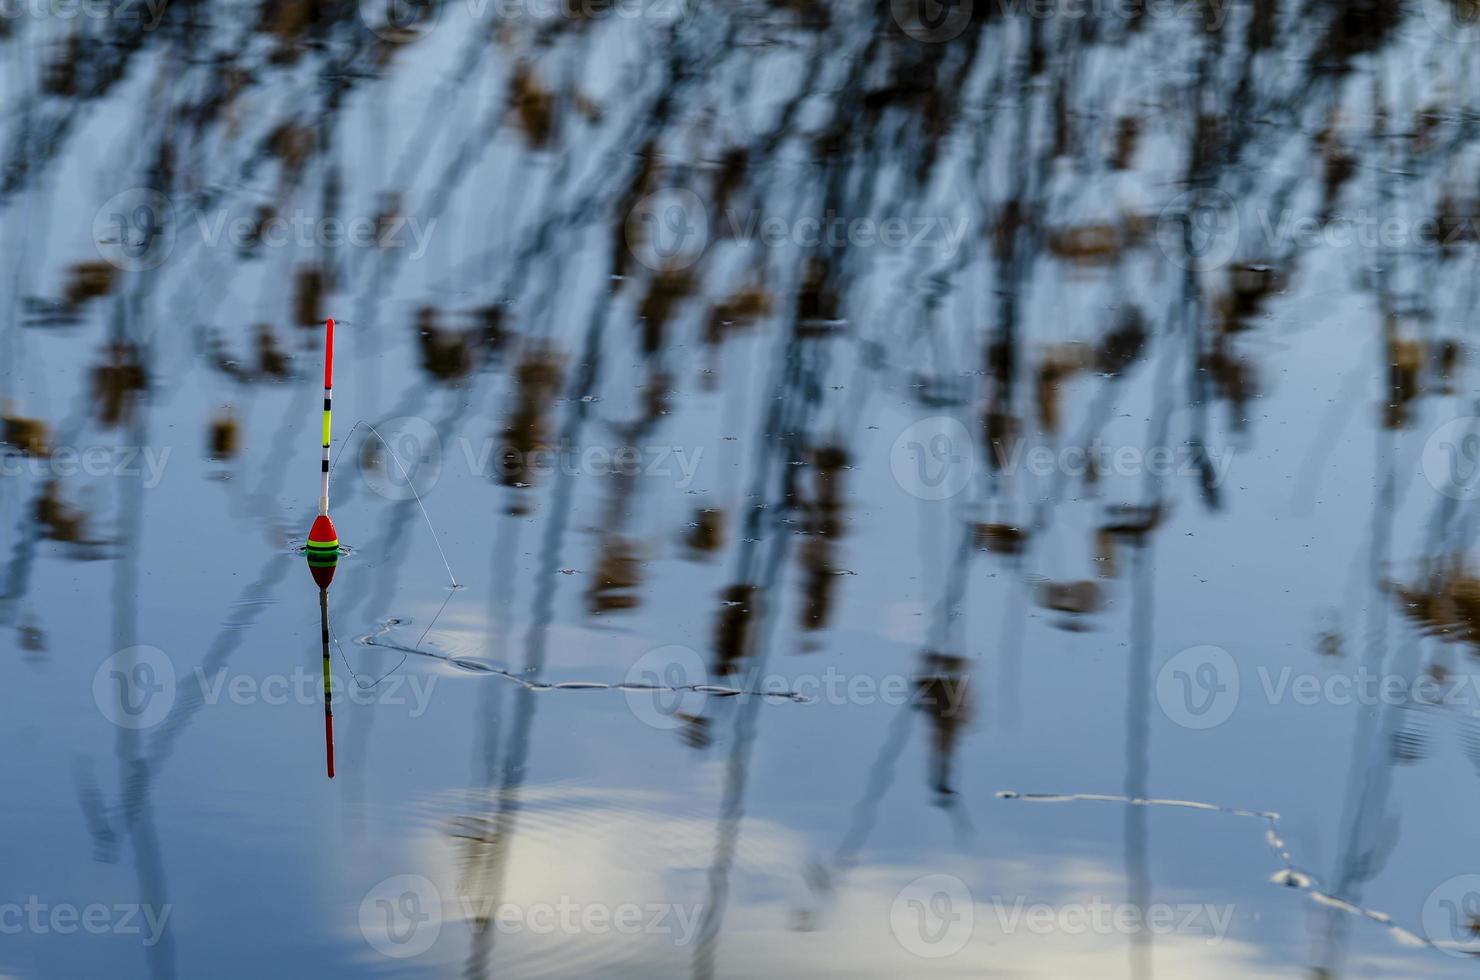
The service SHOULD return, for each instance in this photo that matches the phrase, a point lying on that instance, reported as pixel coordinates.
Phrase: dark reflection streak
(386, 263)
(190, 698)
(1096, 418)
(135, 773)
(479, 857)
(138, 768)
(770, 450)
(28, 535)
(1368, 779)
(1137, 750)
(331, 192)
(1327, 440)
(1020, 246)
(215, 266)
(504, 820)
(948, 608)
(1018, 600)
(286, 436)
(448, 90)
(254, 599)
(732, 805)
(541, 318)
(782, 430)
(1139, 676)
(618, 167)
(864, 814)
(500, 617)
(11, 372)
(866, 810)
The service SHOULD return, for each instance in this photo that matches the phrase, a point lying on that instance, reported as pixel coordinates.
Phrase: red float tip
(323, 531)
(329, 355)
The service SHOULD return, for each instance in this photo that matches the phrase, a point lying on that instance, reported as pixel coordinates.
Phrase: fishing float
(323, 540)
(323, 546)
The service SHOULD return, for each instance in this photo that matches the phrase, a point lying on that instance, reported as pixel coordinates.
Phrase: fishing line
(410, 486)
(452, 579)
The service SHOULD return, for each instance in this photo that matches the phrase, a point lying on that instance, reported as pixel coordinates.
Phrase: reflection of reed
(1365, 838)
(135, 770)
(490, 837)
